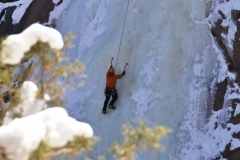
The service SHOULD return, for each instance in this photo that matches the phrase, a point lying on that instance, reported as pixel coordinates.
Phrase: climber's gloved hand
(123, 73)
(111, 66)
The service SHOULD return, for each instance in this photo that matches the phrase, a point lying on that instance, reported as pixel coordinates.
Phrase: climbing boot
(104, 112)
(112, 107)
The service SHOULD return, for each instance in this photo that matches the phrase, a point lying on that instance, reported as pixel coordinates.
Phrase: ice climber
(110, 89)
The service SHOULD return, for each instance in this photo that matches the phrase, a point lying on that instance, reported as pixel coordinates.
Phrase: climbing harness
(122, 33)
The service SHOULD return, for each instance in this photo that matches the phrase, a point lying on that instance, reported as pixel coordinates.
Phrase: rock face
(232, 57)
(38, 11)
(7, 27)
(7, 1)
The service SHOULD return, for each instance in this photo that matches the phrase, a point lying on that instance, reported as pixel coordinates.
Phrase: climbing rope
(122, 34)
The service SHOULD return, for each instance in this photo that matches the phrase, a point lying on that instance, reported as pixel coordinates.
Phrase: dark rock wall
(236, 43)
(7, 1)
(38, 11)
(6, 27)
(232, 57)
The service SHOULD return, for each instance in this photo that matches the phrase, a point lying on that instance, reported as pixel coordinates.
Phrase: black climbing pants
(108, 94)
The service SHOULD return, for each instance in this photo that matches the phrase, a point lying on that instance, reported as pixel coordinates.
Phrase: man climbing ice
(111, 80)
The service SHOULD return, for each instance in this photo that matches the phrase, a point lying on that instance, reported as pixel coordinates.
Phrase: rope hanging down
(122, 33)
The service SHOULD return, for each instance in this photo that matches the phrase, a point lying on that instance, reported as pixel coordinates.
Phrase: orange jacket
(112, 79)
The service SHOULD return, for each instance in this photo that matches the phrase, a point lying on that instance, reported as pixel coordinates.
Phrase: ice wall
(168, 47)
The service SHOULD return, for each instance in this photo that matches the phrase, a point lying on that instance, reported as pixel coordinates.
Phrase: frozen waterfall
(168, 46)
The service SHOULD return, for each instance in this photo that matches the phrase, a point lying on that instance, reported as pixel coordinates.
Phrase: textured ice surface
(169, 49)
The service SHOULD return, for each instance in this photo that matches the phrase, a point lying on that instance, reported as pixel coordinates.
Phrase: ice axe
(111, 61)
(125, 66)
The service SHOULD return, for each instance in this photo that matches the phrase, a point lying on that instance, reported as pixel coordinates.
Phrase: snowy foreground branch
(29, 123)
(15, 46)
(22, 136)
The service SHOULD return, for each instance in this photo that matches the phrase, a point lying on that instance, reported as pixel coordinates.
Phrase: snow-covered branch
(15, 46)
(28, 122)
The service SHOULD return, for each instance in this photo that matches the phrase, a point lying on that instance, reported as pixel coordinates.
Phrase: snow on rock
(21, 5)
(57, 11)
(224, 22)
(56, 1)
(225, 123)
(14, 46)
(20, 10)
(226, 9)
(237, 110)
(22, 136)
(3, 17)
